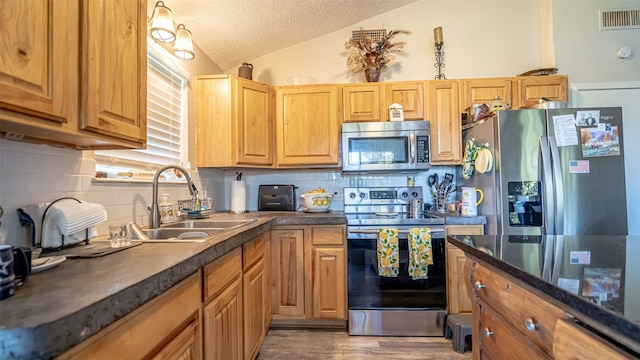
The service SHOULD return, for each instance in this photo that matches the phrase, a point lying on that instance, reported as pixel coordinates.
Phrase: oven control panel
(381, 195)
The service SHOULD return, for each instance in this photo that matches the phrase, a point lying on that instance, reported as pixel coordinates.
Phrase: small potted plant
(373, 56)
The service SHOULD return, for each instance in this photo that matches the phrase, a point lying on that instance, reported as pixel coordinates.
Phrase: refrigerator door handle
(547, 180)
(557, 178)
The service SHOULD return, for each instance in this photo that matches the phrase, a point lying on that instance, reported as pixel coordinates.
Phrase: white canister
(470, 200)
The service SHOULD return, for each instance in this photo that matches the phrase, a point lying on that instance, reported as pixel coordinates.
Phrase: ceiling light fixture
(162, 23)
(183, 48)
(162, 30)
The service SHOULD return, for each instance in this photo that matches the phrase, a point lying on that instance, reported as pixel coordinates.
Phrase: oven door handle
(374, 231)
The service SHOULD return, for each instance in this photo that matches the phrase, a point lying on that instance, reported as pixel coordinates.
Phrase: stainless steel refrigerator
(556, 172)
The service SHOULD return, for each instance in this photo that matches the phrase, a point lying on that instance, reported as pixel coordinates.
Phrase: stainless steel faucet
(154, 218)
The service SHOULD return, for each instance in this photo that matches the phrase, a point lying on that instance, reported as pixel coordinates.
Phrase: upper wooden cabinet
(234, 118)
(446, 125)
(409, 94)
(362, 102)
(517, 92)
(74, 73)
(532, 88)
(484, 91)
(371, 101)
(308, 120)
(114, 68)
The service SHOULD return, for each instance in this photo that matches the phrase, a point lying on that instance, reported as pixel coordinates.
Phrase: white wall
(481, 39)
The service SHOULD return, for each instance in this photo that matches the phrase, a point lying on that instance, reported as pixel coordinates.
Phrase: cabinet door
(329, 283)
(38, 58)
(308, 125)
(186, 345)
(254, 123)
(287, 273)
(484, 91)
(458, 300)
(532, 88)
(446, 127)
(361, 102)
(114, 68)
(223, 324)
(408, 94)
(253, 285)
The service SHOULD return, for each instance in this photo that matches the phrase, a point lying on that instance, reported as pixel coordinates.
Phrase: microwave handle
(412, 147)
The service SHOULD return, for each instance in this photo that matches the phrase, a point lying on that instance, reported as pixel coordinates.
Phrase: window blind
(166, 114)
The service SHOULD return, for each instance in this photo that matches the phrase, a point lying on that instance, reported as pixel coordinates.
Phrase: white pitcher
(470, 200)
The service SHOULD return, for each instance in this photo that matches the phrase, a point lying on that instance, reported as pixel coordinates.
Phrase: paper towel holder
(238, 211)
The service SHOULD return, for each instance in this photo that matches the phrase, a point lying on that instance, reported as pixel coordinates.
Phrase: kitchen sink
(179, 235)
(222, 224)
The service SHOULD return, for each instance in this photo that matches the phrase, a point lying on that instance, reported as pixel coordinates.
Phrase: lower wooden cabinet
(167, 327)
(222, 313)
(254, 292)
(573, 342)
(458, 299)
(309, 277)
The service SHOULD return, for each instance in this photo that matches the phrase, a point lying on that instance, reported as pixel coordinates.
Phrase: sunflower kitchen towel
(388, 253)
(420, 254)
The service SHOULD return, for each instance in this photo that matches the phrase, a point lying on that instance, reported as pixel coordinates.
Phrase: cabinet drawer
(502, 342)
(328, 235)
(574, 342)
(253, 251)
(530, 315)
(222, 272)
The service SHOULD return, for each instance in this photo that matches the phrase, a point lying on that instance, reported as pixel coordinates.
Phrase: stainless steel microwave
(386, 146)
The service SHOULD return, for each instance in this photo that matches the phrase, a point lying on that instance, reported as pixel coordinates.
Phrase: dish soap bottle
(166, 210)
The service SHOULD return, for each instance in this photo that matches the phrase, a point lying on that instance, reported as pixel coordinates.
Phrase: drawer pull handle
(487, 332)
(530, 324)
(479, 285)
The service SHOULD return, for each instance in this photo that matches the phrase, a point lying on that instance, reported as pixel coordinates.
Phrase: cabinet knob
(487, 332)
(530, 325)
(479, 285)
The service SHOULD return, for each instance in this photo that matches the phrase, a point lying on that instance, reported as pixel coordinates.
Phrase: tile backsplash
(31, 174)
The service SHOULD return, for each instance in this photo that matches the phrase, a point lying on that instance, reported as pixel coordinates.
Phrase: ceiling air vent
(619, 19)
(374, 35)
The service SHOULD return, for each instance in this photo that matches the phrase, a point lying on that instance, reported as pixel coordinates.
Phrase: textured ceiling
(234, 31)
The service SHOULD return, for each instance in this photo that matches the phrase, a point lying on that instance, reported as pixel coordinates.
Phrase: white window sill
(133, 181)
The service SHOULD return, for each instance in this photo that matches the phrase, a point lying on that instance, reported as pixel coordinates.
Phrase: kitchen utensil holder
(440, 200)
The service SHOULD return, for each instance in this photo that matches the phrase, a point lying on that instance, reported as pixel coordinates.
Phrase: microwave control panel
(422, 149)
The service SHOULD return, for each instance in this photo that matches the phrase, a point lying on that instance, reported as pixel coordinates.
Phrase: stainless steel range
(386, 306)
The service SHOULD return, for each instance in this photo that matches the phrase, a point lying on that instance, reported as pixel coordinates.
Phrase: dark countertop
(453, 218)
(59, 308)
(563, 268)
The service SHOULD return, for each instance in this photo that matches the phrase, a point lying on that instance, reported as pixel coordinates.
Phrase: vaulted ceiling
(233, 31)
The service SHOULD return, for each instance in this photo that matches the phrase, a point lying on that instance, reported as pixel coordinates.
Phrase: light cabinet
(222, 312)
(517, 92)
(309, 279)
(409, 94)
(308, 120)
(71, 82)
(371, 101)
(446, 126)
(253, 289)
(484, 91)
(166, 327)
(287, 273)
(234, 119)
(532, 88)
(458, 299)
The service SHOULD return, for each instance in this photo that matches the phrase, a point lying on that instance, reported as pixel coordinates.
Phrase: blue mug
(15, 267)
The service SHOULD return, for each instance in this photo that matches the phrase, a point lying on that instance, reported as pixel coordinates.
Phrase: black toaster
(276, 198)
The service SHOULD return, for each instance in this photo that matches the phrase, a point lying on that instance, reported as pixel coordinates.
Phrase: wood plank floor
(327, 344)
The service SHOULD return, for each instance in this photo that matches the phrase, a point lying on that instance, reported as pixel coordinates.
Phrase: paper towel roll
(238, 196)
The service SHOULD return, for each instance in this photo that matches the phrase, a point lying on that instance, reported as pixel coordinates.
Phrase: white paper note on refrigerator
(564, 127)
